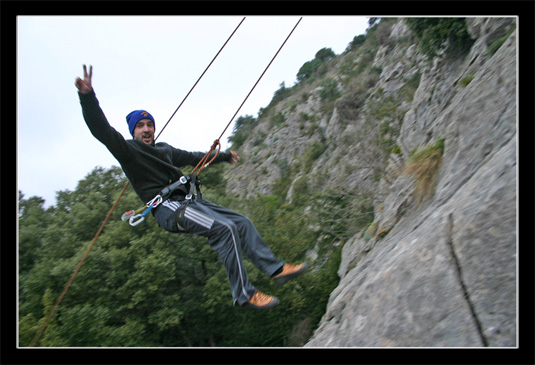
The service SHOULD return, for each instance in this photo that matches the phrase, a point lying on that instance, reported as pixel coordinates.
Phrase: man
(150, 167)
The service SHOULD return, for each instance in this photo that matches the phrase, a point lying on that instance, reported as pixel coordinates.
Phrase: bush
(329, 90)
(425, 165)
(494, 46)
(312, 153)
(311, 67)
(433, 32)
(308, 69)
(343, 213)
(382, 33)
(466, 80)
(277, 120)
(242, 128)
(351, 102)
(325, 54)
(356, 42)
(282, 93)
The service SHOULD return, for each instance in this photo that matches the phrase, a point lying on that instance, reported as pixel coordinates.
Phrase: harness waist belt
(180, 184)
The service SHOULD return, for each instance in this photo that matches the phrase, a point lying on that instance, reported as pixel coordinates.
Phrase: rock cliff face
(434, 268)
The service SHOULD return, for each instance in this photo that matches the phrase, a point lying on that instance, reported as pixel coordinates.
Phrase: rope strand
(199, 79)
(67, 286)
(201, 165)
(250, 92)
(60, 298)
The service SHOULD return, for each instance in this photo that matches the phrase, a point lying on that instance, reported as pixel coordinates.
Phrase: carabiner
(156, 201)
(133, 222)
(138, 218)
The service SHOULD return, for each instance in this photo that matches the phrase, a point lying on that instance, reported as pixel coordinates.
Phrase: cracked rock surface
(444, 274)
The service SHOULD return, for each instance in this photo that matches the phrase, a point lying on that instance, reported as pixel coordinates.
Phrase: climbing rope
(200, 166)
(60, 298)
(136, 217)
(199, 79)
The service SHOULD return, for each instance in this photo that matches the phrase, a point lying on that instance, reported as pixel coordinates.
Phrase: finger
(235, 157)
(85, 71)
(90, 71)
(79, 85)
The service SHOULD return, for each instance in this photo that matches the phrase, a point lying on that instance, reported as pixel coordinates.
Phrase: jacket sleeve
(100, 128)
(184, 158)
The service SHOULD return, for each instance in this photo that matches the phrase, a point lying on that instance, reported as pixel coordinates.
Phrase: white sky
(149, 62)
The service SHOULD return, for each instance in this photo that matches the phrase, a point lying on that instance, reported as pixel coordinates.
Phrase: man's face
(144, 131)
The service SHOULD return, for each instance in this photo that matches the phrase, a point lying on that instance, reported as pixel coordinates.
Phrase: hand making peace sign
(84, 86)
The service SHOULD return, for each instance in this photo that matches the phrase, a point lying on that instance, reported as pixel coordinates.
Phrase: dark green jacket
(149, 168)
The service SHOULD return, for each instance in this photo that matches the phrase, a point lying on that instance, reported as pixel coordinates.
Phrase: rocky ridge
(432, 270)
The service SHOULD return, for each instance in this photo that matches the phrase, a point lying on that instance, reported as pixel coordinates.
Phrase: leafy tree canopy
(142, 286)
(433, 32)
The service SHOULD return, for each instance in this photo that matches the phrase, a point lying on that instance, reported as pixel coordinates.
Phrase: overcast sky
(149, 63)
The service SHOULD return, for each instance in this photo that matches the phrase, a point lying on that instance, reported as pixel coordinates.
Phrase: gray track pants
(228, 234)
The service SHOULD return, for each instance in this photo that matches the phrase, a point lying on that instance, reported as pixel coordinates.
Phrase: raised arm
(96, 120)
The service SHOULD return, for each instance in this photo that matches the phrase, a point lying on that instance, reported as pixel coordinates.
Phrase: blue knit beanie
(135, 116)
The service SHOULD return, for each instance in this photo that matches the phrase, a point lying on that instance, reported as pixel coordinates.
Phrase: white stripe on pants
(228, 233)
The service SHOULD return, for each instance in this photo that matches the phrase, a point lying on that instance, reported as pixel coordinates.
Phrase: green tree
(33, 220)
(143, 286)
(311, 67)
(308, 69)
(242, 128)
(356, 42)
(325, 54)
(431, 33)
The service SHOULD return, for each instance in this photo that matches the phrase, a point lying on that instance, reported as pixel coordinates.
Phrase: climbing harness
(134, 217)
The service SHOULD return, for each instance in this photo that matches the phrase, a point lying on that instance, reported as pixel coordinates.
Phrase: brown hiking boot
(262, 301)
(289, 272)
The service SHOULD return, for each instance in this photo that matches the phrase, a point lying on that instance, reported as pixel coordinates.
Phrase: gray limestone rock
(434, 273)
(445, 274)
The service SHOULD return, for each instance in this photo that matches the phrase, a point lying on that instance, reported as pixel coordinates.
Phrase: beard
(146, 138)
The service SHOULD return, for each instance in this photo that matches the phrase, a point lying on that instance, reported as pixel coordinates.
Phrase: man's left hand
(234, 158)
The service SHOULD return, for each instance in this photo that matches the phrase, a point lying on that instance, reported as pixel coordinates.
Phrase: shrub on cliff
(431, 33)
(424, 164)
